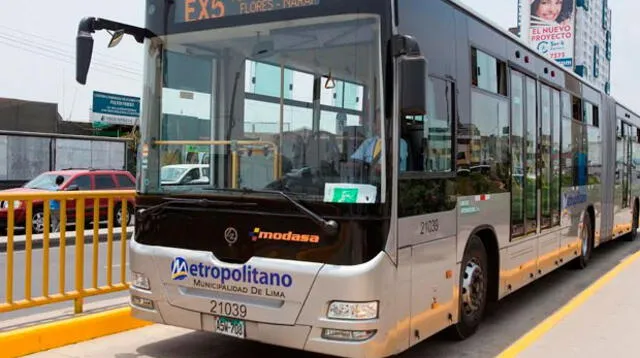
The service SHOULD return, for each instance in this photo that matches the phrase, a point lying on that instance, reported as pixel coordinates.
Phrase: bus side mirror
(84, 50)
(413, 90)
(84, 40)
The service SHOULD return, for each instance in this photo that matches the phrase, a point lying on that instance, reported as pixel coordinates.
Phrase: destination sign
(199, 10)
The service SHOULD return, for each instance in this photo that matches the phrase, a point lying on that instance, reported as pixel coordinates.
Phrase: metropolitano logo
(179, 269)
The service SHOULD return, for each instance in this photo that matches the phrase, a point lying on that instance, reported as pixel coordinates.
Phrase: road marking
(537, 332)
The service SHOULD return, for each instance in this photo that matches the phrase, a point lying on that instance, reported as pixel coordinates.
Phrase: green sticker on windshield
(345, 195)
(349, 193)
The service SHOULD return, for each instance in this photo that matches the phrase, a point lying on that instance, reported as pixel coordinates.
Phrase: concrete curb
(37, 241)
(47, 336)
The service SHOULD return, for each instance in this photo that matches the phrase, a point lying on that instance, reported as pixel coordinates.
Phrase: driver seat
(321, 149)
(292, 150)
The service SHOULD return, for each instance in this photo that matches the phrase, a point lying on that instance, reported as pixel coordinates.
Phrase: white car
(180, 174)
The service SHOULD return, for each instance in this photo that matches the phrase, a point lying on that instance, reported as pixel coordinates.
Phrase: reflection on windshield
(45, 182)
(171, 173)
(292, 108)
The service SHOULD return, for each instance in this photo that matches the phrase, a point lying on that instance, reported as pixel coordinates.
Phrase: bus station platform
(599, 321)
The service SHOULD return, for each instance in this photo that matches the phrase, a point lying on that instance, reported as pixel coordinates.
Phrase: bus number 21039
(228, 309)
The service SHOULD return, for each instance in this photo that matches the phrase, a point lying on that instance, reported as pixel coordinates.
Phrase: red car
(74, 179)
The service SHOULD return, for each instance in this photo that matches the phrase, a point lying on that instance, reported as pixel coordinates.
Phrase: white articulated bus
(378, 170)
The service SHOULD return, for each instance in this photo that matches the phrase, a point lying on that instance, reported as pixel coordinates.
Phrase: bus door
(525, 174)
(549, 124)
(622, 214)
(523, 259)
(426, 201)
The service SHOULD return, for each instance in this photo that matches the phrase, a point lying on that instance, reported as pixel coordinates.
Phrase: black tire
(634, 226)
(474, 280)
(117, 215)
(37, 221)
(586, 234)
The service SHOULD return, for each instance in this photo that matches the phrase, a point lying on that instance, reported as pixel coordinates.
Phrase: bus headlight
(140, 281)
(353, 310)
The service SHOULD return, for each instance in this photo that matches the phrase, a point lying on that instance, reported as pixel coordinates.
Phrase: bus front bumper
(309, 329)
(302, 337)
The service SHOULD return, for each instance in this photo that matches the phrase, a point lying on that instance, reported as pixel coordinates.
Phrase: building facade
(593, 42)
(575, 33)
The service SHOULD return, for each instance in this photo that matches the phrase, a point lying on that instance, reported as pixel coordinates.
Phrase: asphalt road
(54, 267)
(514, 316)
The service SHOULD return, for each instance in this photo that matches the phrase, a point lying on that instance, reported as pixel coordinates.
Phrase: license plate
(230, 327)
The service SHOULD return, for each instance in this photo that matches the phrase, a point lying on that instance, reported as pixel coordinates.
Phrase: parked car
(180, 174)
(74, 179)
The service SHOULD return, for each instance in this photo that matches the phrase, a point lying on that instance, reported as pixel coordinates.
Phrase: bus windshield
(292, 106)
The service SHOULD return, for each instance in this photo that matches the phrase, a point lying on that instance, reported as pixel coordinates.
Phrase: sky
(37, 43)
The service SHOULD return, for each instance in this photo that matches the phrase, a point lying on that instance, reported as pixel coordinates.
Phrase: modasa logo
(258, 234)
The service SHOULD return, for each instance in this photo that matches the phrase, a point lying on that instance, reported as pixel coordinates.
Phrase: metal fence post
(80, 215)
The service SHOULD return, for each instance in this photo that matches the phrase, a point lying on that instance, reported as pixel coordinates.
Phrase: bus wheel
(473, 289)
(586, 244)
(634, 227)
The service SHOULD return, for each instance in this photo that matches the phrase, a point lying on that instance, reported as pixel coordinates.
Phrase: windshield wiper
(205, 203)
(329, 226)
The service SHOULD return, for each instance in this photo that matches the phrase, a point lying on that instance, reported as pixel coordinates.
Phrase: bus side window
(428, 184)
(429, 138)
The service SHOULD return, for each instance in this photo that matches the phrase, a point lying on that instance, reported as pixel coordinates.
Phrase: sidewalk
(599, 322)
(116, 300)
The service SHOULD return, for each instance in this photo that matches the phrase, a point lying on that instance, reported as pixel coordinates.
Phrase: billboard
(111, 109)
(550, 28)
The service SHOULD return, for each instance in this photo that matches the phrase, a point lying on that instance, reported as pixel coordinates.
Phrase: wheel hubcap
(472, 288)
(585, 241)
(38, 222)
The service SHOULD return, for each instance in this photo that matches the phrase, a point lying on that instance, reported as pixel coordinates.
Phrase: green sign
(197, 148)
(345, 195)
(349, 193)
(100, 125)
(110, 109)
